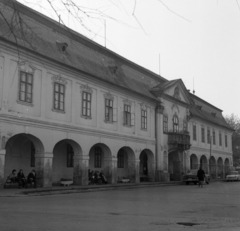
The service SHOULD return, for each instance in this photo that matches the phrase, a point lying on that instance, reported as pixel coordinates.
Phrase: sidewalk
(15, 192)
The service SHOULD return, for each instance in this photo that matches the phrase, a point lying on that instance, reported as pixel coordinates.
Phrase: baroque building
(68, 104)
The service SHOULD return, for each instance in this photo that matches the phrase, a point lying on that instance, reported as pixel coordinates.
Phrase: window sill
(144, 129)
(109, 122)
(126, 125)
(25, 103)
(58, 111)
(86, 117)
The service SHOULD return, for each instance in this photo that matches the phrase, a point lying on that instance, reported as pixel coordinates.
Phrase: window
(127, 115)
(220, 139)
(226, 144)
(194, 132)
(25, 87)
(86, 104)
(214, 137)
(32, 155)
(120, 161)
(98, 157)
(175, 124)
(144, 119)
(208, 136)
(70, 154)
(165, 123)
(109, 110)
(59, 95)
(203, 135)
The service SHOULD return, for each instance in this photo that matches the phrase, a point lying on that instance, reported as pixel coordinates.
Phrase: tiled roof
(41, 34)
(209, 116)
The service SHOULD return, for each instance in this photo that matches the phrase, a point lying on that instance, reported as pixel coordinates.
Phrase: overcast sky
(197, 40)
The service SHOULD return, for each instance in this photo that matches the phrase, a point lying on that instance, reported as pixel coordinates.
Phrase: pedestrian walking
(201, 176)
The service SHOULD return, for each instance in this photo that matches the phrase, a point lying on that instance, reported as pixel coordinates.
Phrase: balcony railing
(179, 140)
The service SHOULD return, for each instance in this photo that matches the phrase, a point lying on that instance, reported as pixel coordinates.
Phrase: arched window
(175, 123)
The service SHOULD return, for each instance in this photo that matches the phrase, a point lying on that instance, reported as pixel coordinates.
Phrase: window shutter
(132, 119)
(114, 114)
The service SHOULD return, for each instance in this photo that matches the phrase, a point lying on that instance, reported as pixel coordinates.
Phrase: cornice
(208, 151)
(68, 128)
(174, 100)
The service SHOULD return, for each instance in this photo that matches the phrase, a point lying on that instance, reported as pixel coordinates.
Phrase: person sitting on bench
(21, 179)
(13, 176)
(32, 178)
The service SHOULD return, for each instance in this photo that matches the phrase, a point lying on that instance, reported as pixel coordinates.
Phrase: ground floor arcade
(57, 155)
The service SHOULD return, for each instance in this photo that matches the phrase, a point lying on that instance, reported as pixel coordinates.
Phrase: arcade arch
(147, 165)
(63, 159)
(193, 162)
(20, 153)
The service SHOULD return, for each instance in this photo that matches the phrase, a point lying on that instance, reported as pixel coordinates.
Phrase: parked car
(191, 177)
(234, 175)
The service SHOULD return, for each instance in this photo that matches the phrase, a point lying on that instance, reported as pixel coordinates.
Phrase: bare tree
(234, 122)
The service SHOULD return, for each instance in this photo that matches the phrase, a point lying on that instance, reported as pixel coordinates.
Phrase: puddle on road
(188, 223)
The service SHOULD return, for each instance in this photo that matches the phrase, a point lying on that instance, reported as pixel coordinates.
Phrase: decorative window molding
(127, 102)
(175, 106)
(59, 79)
(86, 88)
(108, 95)
(59, 94)
(26, 66)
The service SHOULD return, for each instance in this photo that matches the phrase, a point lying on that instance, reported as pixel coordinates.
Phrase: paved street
(213, 207)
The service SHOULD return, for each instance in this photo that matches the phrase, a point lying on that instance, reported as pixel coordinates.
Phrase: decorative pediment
(144, 106)
(108, 95)
(26, 66)
(175, 106)
(86, 88)
(59, 79)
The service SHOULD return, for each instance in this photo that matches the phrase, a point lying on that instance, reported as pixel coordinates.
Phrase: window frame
(214, 137)
(97, 157)
(144, 119)
(120, 159)
(165, 123)
(59, 94)
(220, 139)
(88, 107)
(203, 134)
(194, 132)
(175, 124)
(127, 115)
(109, 110)
(208, 136)
(26, 84)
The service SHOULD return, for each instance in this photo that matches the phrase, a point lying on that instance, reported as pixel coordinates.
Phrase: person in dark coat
(21, 179)
(32, 178)
(201, 176)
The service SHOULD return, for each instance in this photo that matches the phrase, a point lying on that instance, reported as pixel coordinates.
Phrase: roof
(208, 112)
(38, 33)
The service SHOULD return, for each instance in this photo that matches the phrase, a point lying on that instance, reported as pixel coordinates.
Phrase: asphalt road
(213, 207)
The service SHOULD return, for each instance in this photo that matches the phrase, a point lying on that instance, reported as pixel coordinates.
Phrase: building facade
(68, 105)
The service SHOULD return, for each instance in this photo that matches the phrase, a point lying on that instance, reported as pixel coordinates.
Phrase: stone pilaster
(133, 171)
(151, 170)
(80, 170)
(2, 165)
(110, 170)
(43, 163)
(159, 141)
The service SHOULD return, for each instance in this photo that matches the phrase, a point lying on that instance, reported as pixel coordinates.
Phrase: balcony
(179, 140)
